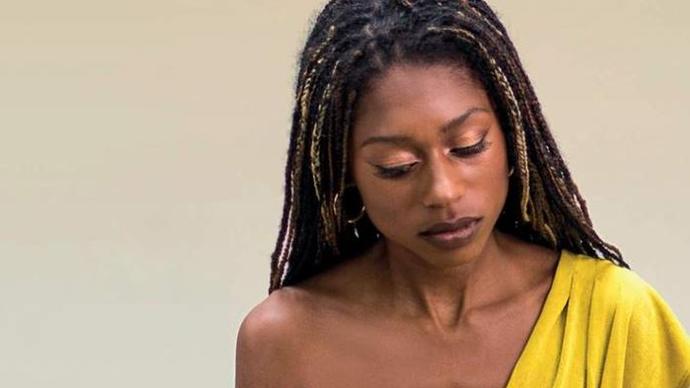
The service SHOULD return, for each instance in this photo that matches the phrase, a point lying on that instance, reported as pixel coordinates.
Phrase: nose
(444, 184)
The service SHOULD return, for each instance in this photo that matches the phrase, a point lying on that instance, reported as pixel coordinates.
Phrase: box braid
(354, 41)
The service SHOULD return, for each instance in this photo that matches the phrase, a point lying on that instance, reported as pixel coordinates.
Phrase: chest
(378, 355)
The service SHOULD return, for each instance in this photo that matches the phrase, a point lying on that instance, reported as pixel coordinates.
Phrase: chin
(432, 257)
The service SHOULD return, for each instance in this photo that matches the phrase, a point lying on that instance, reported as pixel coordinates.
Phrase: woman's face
(427, 148)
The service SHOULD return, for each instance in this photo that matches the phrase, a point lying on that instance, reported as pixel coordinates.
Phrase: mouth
(450, 227)
(452, 235)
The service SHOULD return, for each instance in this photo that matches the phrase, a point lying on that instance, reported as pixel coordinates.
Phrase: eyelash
(464, 152)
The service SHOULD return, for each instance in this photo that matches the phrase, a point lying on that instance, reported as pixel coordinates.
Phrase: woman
(432, 235)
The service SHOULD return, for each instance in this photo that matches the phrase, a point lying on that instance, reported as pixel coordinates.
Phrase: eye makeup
(461, 152)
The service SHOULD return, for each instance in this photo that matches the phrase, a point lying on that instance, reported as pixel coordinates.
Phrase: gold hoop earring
(349, 221)
(359, 216)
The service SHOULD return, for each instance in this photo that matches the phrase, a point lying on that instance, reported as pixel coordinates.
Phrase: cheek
(495, 175)
(385, 206)
(390, 209)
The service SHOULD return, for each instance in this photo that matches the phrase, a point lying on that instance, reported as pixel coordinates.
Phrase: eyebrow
(403, 140)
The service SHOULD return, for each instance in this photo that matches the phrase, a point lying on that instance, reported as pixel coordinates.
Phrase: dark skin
(407, 313)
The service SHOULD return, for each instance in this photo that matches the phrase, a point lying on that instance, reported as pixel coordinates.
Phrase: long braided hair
(353, 41)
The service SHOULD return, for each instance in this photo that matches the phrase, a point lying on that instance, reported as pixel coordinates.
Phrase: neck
(446, 291)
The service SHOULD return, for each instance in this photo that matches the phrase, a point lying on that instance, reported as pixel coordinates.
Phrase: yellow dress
(603, 326)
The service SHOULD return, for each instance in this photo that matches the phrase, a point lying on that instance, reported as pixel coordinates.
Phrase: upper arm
(657, 349)
(265, 343)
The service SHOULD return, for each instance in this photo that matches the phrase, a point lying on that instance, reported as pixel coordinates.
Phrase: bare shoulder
(279, 313)
(275, 335)
(295, 308)
(269, 337)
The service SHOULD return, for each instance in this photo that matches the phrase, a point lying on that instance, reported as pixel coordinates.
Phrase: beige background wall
(141, 156)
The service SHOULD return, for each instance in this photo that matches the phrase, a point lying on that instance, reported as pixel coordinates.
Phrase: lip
(442, 227)
(452, 235)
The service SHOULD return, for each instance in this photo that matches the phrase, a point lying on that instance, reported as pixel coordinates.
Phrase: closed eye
(394, 172)
(471, 150)
(463, 152)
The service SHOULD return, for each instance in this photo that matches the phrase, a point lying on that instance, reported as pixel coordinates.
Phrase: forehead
(407, 97)
(404, 77)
